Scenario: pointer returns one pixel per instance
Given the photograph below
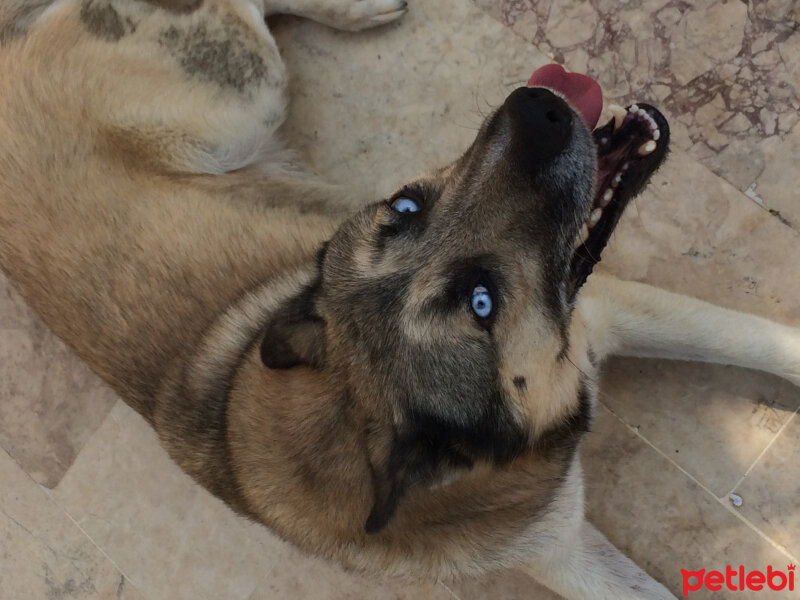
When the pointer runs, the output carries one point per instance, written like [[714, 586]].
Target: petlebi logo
[[739, 580]]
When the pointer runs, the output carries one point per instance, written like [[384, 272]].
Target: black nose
[[541, 122]]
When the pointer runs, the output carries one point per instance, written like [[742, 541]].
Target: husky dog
[[400, 386]]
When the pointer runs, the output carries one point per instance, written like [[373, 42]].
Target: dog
[[401, 385]]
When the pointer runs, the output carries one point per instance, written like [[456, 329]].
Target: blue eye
[[405, 205], [481, 301]]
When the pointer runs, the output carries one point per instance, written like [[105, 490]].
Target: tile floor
[[91, 507]]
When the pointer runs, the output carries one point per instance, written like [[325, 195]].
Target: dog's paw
[[355, 15]]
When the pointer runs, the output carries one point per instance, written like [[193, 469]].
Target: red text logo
[[738, 580]]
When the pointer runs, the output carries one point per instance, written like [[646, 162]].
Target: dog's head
[[445, 311]]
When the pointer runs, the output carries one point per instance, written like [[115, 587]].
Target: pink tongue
[[581, 91]]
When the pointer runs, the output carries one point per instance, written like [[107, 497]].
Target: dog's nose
[[540, 120]]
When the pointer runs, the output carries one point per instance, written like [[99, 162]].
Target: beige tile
[[391, 106], [43, 553], [506, 585], [177, 541], [771, 491], [169, 535], [714, 421], [51, 403], [290, 575], [659, 517], [725, 72], [696, 234]]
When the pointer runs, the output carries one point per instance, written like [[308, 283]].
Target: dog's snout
[[540, 120]]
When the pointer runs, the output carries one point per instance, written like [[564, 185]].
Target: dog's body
[[150, 216]]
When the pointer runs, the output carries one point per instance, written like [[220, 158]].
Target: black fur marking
[[319, 257], [201, 423], [565, 436], [223, 55], [294, 335], [101, 20], [591, 355], [520, 383], [182, 7], [563, 329], [431, 445]]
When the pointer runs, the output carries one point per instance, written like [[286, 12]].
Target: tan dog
[[400, 386]]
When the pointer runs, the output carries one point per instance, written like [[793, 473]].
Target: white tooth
[[584, 234], [595, 216], [607, 196], [656, 134], [647, 148], [634, 108], [619, 115], [626, 165], [617, 180]]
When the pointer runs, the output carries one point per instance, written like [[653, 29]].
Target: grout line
[[102, 551], [780, 548], [783, 550], [48, 493], [764, 451], [636, 432], [447, 587]]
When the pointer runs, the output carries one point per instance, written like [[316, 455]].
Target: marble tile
[[779, 180], [771, 491], [43, 553], [155, 522], [51, 402], [726, 73], [660, 518], [506, 585]]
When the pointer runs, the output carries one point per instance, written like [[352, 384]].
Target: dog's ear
[[295, 335], [419, 456]]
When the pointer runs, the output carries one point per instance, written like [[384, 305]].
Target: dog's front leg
[[635, 319], [589, 567]]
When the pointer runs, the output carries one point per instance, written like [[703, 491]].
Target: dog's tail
[[17, 16]]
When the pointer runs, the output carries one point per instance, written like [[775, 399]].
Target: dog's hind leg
[[350, 15], [181, 86], [635, 319]]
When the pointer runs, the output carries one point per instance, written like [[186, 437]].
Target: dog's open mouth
[[630, 147]]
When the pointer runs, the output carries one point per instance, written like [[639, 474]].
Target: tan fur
[[151, 216]]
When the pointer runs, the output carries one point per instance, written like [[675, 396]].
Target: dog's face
[[445, 311]]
